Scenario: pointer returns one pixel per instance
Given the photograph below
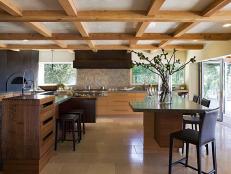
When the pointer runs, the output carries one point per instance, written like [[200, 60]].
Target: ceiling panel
[[148, 42], [38, 4], [75, 42], [113, 4], [193, 5], [227, 7], [16, 27], [186, 42], [61, 27], [29, 42], [161, 27], [111, 42], [111, 27], [210, 27]]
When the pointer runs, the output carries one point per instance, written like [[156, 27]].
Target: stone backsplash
[[109, 78]]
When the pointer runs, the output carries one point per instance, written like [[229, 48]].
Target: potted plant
[[164, 66]]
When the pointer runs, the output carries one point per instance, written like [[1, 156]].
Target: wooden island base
[[158, 126]]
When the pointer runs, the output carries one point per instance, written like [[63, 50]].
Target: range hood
[[102, 60]]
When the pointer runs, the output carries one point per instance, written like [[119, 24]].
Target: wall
[[179, 55], [17, 62], [58, 56], [109, 78], [212, 50]]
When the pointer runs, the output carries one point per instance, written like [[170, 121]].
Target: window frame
[[41, 76]]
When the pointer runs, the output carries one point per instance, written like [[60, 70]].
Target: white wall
[[212, 50], [179, 55], [59, 56]]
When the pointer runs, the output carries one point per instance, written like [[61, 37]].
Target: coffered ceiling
[[112, 24]]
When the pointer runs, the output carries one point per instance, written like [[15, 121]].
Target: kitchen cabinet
[[88, 104], [27, 133], [117, 103]]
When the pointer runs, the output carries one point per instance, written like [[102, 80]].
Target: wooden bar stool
[[67, 124], [205, 135], [79, 112]]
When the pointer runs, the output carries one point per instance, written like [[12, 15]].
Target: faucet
[[24, 84]]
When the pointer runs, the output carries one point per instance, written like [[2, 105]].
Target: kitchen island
[[159, 120]]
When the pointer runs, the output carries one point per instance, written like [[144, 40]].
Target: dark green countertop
[[151, 104], [62, 98]]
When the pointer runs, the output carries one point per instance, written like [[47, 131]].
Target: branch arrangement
[[162, 65]]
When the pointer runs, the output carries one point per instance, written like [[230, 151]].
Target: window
[[55, 73], [178, 78], [141, 76]]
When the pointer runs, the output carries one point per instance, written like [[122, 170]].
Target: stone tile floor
[[115, 146]]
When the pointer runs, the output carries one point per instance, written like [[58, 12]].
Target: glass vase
[[165, 89]]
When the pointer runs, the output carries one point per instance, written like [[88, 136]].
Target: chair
[[79, 112], [67, 123], [199, 138], [194, 120], [191, 119]]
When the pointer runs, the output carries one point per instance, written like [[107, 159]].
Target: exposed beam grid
[[70, 8], [156, 5], [211, 10], [11, 8]]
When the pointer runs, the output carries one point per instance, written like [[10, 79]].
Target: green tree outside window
[[59, 73]]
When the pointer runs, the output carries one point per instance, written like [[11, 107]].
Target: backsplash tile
[[109, 78]]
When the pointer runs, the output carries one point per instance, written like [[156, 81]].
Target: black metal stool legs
[[198, 159], [170, 156], [214, 157]]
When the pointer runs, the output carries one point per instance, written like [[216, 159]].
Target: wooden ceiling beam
[[2, 45], [155, 7], [10, 8], [70, 8], [101, 47], [60, 43], [164, 43], [117, 16], [211, 10], [40, 28], [215, 7], [116, 36]]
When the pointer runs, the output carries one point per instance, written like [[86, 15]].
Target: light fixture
[[52, 59], [195, 40], [227, 25], [25, 40]]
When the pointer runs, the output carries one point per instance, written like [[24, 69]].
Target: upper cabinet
[[102, 60]]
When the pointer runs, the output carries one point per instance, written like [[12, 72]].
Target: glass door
[[227, 97], [212, 83]]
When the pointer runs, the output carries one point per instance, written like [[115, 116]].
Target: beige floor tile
[[115, 146]]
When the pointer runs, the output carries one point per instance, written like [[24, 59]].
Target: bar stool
[[67, 124], [79, 112], [205, 135], [194, 120], [191, 119]]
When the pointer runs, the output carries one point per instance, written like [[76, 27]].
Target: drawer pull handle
[[45, 105], [47, 136], [47, 120]]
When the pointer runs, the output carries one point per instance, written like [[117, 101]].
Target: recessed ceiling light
[[226, 25], [25, 40]]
